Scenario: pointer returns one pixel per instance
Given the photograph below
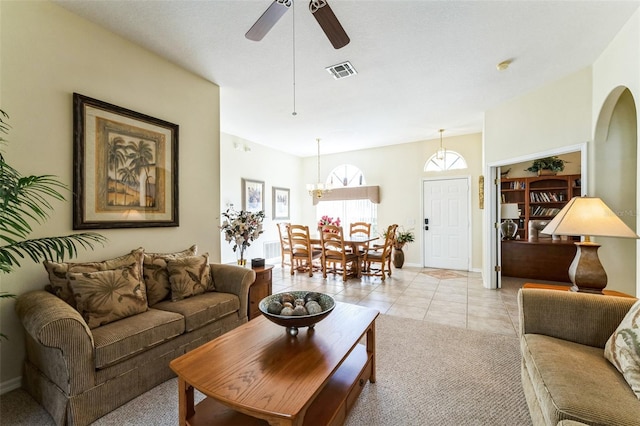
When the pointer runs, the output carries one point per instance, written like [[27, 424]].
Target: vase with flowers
[[327, 220], [241, 229]]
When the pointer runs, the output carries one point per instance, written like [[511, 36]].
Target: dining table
[[354, 241]]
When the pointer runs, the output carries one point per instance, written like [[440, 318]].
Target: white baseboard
[[10, 385]]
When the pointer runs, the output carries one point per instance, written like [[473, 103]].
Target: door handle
[[426, 228]]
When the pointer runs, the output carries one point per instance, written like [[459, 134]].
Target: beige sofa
[[565, 376], [79, 374]]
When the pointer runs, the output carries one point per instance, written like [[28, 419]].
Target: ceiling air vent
[[342, 70]]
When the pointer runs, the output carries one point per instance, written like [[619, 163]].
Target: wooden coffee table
[[258, 374]]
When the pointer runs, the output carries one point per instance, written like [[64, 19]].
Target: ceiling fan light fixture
[[341, 70]]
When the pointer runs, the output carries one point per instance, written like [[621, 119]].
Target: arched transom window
[[348, 210], [345, 175], [451, 161]]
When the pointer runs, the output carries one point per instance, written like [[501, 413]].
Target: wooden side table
[[568, 287], [261, 288]]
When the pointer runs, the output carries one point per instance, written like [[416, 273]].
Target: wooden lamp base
[[586, 272]]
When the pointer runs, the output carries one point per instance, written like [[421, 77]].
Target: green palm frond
[[47, 248], [24, 201]]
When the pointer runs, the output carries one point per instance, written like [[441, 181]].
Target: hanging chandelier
[[318, 189], [441, 152]]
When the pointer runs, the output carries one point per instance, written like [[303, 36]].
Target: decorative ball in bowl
[[294, 309]]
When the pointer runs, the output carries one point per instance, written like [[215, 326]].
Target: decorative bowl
[[293, 322]]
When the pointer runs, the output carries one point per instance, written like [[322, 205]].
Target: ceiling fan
[[319, 9]]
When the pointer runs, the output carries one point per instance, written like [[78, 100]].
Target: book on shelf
[[517, 184], [543, 211], [546, 197]]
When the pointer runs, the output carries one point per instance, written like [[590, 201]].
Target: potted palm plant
[[24, 200]]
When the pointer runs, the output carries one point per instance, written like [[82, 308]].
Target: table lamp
[[509, 228], [588, 216]]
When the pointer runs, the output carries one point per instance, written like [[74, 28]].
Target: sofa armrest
[[235, 280], [588, 319], [58, 341]]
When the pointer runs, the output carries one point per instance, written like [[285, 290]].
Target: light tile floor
[[456, 298]]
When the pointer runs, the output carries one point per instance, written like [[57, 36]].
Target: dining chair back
[[360, 229], [303, 253], [285, 247], [381, 255], [336, 258]]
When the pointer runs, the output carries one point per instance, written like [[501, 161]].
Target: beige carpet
[[428, 374]]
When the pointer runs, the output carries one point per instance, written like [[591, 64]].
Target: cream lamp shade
[[509, 211], [509, 228], [588, 216]]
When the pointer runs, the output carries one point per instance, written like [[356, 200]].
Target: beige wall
[[49, 53], [274, 168], [556, 115], [615, 117], [573, 110], [398, 170]]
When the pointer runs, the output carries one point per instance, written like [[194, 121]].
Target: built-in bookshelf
[[540, 197]]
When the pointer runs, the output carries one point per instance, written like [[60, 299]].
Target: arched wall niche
[[614, 163]]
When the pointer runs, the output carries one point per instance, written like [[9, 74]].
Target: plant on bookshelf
[[552, 165]]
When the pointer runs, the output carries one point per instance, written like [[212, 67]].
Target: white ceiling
[[422, 65]]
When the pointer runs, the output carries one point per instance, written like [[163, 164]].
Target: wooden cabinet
[[538, 198], [541, 260], [261, 288]]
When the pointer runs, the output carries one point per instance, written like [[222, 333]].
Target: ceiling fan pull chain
[[294, 113]]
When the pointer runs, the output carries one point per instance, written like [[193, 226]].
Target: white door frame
[[490, 230], [469, 221]]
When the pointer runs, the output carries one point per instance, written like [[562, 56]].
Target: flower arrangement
[[328, 220], [241, 228]]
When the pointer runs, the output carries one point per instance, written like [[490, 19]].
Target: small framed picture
[[280, 203], [252, 195]]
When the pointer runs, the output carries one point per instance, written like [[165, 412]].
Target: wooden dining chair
[[303, 253], [380, 255], [360, 228], [335, 257], [285, 247]]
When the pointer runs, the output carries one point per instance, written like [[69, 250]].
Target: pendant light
[[441, 152], [318, 189]]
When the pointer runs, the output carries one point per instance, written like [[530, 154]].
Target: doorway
[[446, 225], [493, 261]]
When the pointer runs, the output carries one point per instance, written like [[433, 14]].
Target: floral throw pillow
[[623, 348], [106, 296], [59, 283], [156, 276], [189, 276]]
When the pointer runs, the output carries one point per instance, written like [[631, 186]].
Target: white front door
[[446, 223]]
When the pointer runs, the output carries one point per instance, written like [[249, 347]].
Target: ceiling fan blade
[[329, 23], [268, 19]]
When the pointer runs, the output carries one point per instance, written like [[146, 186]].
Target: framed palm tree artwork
[[125, 167]]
